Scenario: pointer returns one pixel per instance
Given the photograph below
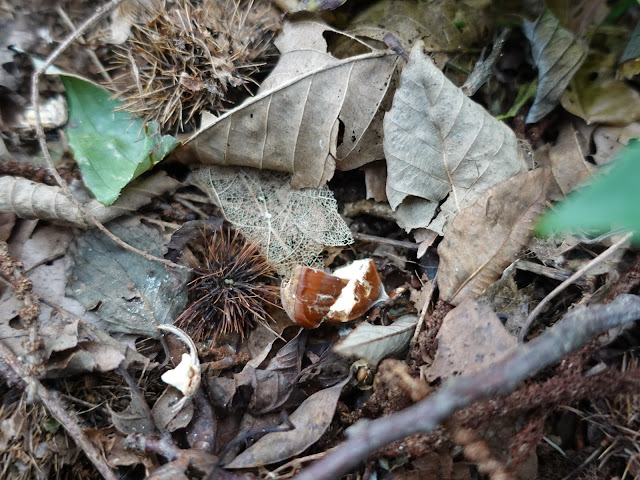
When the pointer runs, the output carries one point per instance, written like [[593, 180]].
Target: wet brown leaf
[[471, 338], [311, 419], [487, 237], [166, 417]]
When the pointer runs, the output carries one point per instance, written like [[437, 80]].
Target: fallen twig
[[66, 418], [498, 379], [35, 101], [596, 261]]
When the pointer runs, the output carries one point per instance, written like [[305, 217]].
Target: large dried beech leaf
[[487, 237], [440, 144], [471, 338], [292, 124], [311, 419], [558, 55], [375, 342]]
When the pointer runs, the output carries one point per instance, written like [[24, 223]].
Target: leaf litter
[[82, 312]]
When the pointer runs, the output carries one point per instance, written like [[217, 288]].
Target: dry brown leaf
[[292, 124], [311, 419], [609, 140], [168, 418], [29, 199], [471, 338], [375, 180], [567, 157], [438, 143], [375, 342], [486, 237], [261, 390]]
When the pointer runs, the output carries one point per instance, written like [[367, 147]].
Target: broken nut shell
[[312, 296]]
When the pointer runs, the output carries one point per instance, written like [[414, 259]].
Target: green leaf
[[609, 202], [110, 147]]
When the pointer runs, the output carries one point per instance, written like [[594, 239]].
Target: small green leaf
[[111, 148], [610, 202]]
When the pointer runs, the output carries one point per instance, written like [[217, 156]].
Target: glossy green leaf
[[610, 202], [111, 148]]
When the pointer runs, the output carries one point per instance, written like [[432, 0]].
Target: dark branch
[[569, 334]]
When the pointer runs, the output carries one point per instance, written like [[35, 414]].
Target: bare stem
[[500, 378], [596, 261], [35, 101], [66, 418]]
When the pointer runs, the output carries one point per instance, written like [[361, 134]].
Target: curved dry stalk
[[51, 400], [35, 101], [500, 378], [554, 293]]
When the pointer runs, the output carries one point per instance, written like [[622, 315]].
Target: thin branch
[[500, 378], [596, 261], [66, 418], [35, 101]]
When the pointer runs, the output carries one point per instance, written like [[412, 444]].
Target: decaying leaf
[[311, 419], [596, 96], [442, 26], [166, 416], [290, 226], [487, 236], [471, 338], [129, 293], [78, 347], [292, 125], [438, 144], [375, 342], [558, 55], [261, 390], [568, 158], [29, 199]]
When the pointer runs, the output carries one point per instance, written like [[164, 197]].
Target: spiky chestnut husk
[[193, 57], [228, 292]]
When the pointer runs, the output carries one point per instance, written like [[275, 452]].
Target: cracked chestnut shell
[[312, 296]]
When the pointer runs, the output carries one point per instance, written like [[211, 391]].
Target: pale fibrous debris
[[186, 376], [181, 376], [191, 56], [290, 226]]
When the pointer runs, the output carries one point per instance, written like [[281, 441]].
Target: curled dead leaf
[[292, 124], [487, 236], [311, 419]]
